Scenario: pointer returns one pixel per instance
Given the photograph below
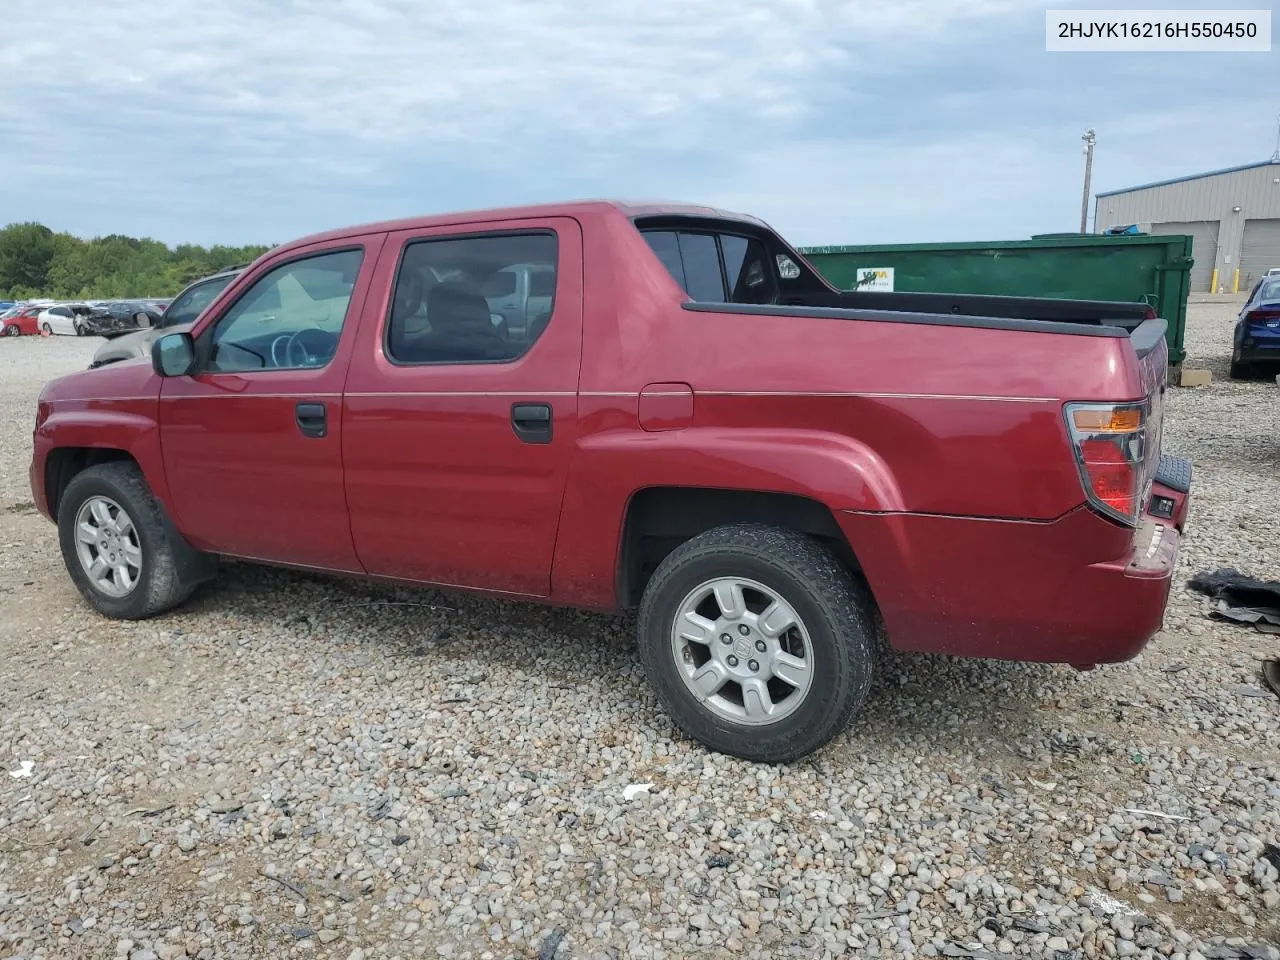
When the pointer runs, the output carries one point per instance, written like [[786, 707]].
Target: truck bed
[[1032, 315], [1121, 314]]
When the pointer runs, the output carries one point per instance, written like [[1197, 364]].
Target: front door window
[[291, 318]]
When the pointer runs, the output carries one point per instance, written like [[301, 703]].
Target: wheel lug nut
[[732, 660], [743, 629], [760, 646], [754, 665], [726, 639]]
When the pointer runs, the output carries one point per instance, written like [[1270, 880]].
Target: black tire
[[160, 585], [12, 331], [1241, 370], [836, 612]]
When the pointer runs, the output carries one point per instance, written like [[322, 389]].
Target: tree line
[[36, 262]]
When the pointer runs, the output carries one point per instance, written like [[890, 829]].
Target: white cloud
[[840, 121], [943, 187], [404, 72]]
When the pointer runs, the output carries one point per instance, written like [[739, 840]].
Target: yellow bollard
[[1213, 281], [1235, 281]]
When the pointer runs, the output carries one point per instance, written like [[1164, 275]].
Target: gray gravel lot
[[297, 766]]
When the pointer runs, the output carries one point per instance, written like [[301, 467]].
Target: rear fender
[[611, 467]]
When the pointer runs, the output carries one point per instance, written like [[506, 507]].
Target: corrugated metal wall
[[1202, 200], [1204, 247], [1261, 250]]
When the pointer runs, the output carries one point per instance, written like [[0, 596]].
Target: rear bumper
[[1270, 353], [1257, 344], [1013, 590]]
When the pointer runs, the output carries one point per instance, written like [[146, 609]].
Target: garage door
[[1260, 251], [1204, 250]]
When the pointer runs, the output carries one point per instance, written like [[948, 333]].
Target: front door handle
[[532, 422], [312, 419]]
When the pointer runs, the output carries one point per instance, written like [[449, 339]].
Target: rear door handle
[[532, 422], [312, 419]]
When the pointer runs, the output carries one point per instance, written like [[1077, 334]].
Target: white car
[[62, 318]]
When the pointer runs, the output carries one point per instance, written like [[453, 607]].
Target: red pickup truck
[[662, 408]]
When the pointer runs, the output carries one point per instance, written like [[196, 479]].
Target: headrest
[[453, 304]]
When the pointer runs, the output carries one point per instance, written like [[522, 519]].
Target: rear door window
[[451, 292], [542, 283]]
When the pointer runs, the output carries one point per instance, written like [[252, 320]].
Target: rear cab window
[[728, 262]]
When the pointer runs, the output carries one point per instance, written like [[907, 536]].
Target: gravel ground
[[296, 766]]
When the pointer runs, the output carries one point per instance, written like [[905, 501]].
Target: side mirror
[[173, 355]]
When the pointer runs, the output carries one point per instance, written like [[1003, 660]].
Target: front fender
[[609, 468], [126, 425]]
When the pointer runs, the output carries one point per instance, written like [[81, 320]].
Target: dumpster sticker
[[874, 278]]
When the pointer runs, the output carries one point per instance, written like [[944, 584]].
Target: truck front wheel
[[121, 552], [757, 641]]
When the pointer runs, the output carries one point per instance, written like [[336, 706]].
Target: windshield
[[193, 300], [1270, 290]]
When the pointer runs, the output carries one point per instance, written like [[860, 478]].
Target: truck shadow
[[915, 698], [922, 699]]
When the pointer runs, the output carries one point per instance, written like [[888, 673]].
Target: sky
[[875, 121]]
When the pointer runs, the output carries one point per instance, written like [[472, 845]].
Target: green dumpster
[[1154, 270]]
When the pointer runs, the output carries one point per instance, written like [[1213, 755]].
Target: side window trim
[[204, 342], [388, 318]]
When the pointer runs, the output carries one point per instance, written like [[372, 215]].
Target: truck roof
[[563, 209]]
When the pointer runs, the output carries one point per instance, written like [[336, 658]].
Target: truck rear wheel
[[757, 641], [117, 544]]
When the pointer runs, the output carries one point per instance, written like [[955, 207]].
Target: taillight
[[1262, 316], [1109, 441]]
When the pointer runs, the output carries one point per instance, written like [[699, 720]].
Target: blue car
[[1257, 335]]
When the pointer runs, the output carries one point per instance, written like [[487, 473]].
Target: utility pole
[[1089, 140]]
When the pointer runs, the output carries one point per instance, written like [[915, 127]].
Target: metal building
[[1233, 216]]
